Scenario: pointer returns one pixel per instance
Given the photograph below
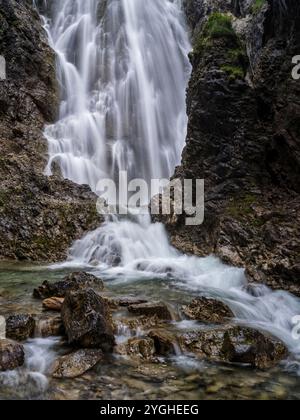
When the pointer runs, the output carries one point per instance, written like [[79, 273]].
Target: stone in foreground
[[74, 281], [235, 345], [208, 311], [76, 364], [160, 310], [87, 320], [12, 355], [20, 327]]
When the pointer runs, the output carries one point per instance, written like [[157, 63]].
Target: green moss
[[234, 72], [257, 6], [219, 25]]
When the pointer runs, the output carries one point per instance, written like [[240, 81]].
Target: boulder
[[74, 281], [235, 345], [76, 364], [12, 355], [158, 309], [208, 311], [53, 304], [164, 342], [20, 327], [87, 320]]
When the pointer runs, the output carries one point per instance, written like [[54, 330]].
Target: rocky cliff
[[244, 137], [39, 216]]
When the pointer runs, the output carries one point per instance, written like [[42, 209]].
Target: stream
[[123, 69]]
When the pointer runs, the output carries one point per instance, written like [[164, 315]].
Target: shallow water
[[180, 377]]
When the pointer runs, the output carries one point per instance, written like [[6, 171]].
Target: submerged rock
[[235, 345], [76, 364], [11, 355], [53, 304], [73, 281], [87, 320], [208, 310], [158, 309], [20, 327]]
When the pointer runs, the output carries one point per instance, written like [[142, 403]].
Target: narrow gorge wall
[[39, 216], [244, 136]]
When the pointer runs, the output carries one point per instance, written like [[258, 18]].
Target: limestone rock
[[20, 327], [235, 345], [73, 281], [208, 311], [11, 355], [87, 320], [76, 364]]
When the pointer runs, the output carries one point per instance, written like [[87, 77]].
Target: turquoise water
[[181, 377]]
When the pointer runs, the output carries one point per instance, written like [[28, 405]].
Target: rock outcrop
[[244, 137], [39, 216]]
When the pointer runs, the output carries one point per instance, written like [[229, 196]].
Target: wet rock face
[[39, 216], [76, 364], [235, 345], [87, 320], [11, 355], [159, 310], [73, 281], [243, 137], [20, 327], [208, 311]]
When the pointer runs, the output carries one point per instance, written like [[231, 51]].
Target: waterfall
[[123, 69]]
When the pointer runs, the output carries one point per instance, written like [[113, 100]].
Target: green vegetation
[[257, 6], [219, 25], [234, 72]]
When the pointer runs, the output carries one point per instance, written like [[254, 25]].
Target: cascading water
[[123, 68]]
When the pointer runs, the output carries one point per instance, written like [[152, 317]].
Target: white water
[[31, 380], [123, 71]]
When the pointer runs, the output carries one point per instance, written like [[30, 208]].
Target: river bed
[[178, 377]]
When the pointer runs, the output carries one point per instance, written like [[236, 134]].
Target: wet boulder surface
[[234, 344], [20, 327], [87, 320], [76, 364], [73, 281]]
